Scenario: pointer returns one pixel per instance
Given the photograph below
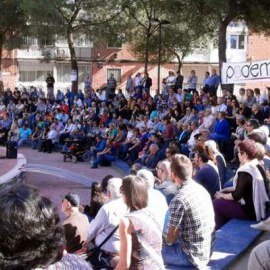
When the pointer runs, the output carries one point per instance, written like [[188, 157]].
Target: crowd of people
[[178, 144]]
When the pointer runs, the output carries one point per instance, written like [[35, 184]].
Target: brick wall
[[9, 69], [258, 49]]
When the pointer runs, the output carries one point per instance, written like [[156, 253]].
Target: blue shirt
[[208, 178], [222, 128], [206, 81], [213, 80], [25, 133], [100, 146]]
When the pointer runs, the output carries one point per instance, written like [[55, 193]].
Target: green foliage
[[13, 25]]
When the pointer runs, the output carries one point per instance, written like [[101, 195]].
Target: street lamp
[[159, 23]]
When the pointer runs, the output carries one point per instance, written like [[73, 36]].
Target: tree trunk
[[180, 63], [222, 44], [1, 82], [74, 63], [146, 55]]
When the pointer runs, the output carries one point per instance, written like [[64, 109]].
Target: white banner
[[258, 71]]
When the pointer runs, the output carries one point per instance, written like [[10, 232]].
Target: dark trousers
[[47, 146], [226, 210]]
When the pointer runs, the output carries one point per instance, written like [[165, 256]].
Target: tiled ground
[[55, 188], [6, 164], [56, 160]]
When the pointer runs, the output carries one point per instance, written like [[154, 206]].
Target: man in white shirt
[[138, 81], [108, 217], [221, 107], [208, 120]]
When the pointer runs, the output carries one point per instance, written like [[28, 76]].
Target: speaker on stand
[[11, 150]]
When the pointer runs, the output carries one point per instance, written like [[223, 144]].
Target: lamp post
[[159, 23]]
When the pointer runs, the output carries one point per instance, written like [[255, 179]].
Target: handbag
[[97, 257]]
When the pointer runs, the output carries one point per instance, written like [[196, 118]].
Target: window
[[64, 72], [116, 73], [241, 43], [233, 42], [237, 42], [31, 41], [34, 75]]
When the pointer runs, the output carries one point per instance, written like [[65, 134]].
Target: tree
[[72, 19], [141, 12], [12, 27], [221, 13]]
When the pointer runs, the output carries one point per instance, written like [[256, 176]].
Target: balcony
[[53, 53]]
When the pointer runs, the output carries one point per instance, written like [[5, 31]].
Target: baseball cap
[[73, 198]]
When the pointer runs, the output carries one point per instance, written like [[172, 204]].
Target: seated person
[[156, 201], [24, 135], [76, 224], [98, 199], [189, 236], [107, 155], [49, 140], [43, 233], [107, 219], [222, 128], [259, 258], [165, 184], [184, 134], [243, 200], [99, 146], [207, 176], [151, 158]]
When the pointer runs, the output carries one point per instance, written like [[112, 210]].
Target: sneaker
[[261, 226], [94, 167]]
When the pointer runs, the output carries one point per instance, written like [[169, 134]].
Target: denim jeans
[[105, 157], [22, 141], [172, 255]]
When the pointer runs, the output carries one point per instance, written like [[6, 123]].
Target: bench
[[231, 241], [122, 165]]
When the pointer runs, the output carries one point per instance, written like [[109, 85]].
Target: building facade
[[29, 67]]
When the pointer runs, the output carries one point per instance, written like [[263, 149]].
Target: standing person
[[146, 83], [170, 81], [50, 83], [189, 236], [76, 225], [129, 85], [192, 80], [138, 81], [140, 234], [87, 83], [111, 86], [179, 81], [213, 82]]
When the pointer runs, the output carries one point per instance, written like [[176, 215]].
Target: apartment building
[[29, 66]]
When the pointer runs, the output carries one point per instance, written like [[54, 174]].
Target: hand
[[219, 195], [81, 208]]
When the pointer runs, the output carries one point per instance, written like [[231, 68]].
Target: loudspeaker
[[11, 150]]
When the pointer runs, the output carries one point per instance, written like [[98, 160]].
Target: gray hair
[[147, 176], [113, 187]]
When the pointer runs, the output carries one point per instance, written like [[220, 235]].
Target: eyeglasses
[[249, 126], [168, 152]]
